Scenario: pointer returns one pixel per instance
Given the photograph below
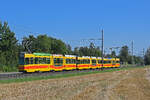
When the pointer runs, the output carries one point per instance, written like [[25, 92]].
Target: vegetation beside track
[[26, 79]]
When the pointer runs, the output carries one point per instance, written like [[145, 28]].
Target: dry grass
[[120, 85]]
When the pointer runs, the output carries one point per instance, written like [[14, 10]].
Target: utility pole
[[111, 50], [132, 52], [102, 48], [143, 57]]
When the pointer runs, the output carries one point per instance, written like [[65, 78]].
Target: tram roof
[[42, 54]]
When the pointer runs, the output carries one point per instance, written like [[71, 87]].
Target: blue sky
[[74, 20]]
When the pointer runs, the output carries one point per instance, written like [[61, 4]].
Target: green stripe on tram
[[42, 54]]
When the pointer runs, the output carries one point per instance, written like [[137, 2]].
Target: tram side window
[[93, 62], [86, 61], [105, 62], [109, 62], [70, 61], [79, 61], [114, 62], [27, 61], [31, 60], [82, 62], [36, 60], [67, 61], [42, 60], [74, 61], [117, 61], [58, 61], [47, 60], [99, 61]]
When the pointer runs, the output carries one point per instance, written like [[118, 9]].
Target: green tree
[[88, 51], [44, 43], [8, 46], [138, 60], [124, 54], [69, 50], [76, 51], [94, 51], [113, 54], [59, 47], [29, 44]]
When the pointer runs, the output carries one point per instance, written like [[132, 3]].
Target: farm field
[[133, 84]]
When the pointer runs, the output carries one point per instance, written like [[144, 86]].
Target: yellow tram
[[84, 62], [70, 62], [40, 62], [35, 62]]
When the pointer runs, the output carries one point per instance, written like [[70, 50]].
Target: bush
[[5, 68]]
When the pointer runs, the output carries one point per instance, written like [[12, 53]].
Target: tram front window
[[21, 61], [58, 61]]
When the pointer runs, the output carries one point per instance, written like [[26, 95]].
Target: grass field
[[63, 75], [116, 84]]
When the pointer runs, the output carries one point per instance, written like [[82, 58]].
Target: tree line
[[10, 49]]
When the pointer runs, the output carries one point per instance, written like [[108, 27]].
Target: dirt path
[[121, 85]]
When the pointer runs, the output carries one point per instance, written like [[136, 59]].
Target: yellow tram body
[[40, 62], [99, 62], [57, 62], [84, 62], [35, 62], [117, 62], [94, 63], [107, 63], [70, 62]]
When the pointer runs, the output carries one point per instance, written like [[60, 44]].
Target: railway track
[[17, 75]]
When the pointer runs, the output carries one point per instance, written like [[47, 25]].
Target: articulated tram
[[41, 62]]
